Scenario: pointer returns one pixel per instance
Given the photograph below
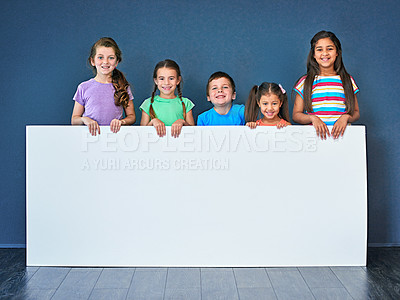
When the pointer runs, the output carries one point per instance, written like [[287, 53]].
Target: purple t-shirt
[[98, 100]]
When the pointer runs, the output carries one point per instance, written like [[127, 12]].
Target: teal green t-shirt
[[167, 110]]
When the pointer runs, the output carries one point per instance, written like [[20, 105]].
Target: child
[[271, 100], [167, 109], [221, 92], [326, 95], [103, 99]]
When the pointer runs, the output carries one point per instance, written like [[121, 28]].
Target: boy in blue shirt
[[221, 92]]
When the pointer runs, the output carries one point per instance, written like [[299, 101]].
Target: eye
[[213, 88]]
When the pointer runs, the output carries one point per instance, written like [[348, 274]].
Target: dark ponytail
[[252, 109]]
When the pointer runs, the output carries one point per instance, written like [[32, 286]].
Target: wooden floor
[[379, 280]]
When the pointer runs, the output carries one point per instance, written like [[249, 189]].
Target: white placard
[[214, 197]]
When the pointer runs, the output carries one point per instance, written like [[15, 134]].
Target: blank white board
[[214, 197]]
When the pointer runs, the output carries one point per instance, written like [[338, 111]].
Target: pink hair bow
[[282, 89]]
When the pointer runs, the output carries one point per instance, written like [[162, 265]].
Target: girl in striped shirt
[[326, 95]]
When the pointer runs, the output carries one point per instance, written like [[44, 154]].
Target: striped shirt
[[327, 96]]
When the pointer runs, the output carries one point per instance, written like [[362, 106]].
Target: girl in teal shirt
[[167, 109]]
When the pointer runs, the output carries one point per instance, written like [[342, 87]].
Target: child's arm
[[189, 119], [300, 117], [176, 127], [130, 118], [77, 119], [340, 125], [158, 125]]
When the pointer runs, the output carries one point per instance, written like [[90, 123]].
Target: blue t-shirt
[[235, 116]]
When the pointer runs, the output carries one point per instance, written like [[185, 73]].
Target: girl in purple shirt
[[103, 99]]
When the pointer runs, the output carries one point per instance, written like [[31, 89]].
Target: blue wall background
[[46, 43]]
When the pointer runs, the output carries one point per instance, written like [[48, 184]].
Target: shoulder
[[237, 114], [187, 100], [145, 104], [352, 78], [301, 80], [147, 100], [299, 85], [83, 91], [129, 90], [204, 118], [188, 103], [355, 87], [206, 113], [237, 108], [87, 83], [237, 111]]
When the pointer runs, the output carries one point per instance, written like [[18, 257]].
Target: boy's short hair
[[218, 75]]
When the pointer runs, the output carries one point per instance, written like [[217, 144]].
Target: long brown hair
[[169, 64], [313, 71], [121, 96], [252, 108]]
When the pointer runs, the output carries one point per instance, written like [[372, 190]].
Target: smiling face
[[166, 81], [220, 92], [270, 105], [325, 54], [105, 61]]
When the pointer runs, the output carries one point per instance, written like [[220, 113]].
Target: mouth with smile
[[270, 113], [325, 59]]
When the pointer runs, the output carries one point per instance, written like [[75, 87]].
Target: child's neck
[[103, 79], [223, 110], [327, 72], [168, 96]]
